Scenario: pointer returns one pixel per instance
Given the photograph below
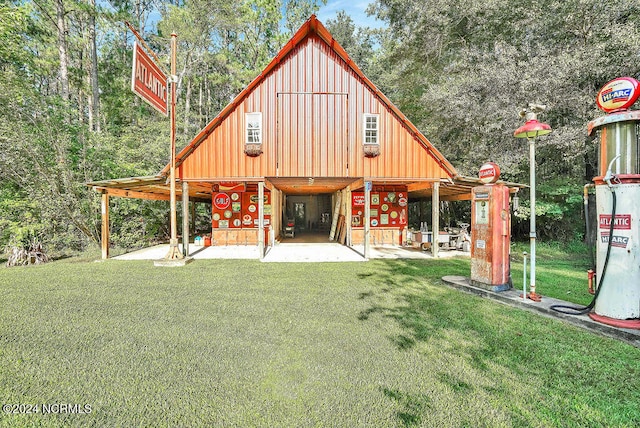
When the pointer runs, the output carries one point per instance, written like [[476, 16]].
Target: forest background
[[460, 71]]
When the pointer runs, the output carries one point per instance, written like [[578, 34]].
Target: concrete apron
[[291, 252]]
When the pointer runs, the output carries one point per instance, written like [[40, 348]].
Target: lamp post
[[530, 130]]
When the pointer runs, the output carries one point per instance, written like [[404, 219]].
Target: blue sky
[[354, 8]]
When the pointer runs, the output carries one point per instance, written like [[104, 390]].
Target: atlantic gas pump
[[490, 232], [618, 206], [617, 296]]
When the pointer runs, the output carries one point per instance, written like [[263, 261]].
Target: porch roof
[[158, 187]]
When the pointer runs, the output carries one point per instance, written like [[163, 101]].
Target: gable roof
[[310, 28]]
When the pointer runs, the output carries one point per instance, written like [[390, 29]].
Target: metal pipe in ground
[[524, 274]]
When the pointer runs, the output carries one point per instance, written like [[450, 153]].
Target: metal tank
[[618, 202]]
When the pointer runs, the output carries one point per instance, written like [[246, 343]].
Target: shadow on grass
[[437, 322], [413, 406]]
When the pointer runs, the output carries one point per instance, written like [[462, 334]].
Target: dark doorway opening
[[312, 217]]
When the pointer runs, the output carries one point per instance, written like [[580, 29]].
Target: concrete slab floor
[[288, 251], [513, 298]]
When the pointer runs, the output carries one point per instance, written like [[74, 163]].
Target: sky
[[354, 8]]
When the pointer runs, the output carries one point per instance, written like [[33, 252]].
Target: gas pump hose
[[580, 310]]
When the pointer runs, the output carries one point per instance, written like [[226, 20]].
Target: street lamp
[[530, 130]]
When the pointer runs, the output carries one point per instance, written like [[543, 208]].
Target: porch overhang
[[157, 187]]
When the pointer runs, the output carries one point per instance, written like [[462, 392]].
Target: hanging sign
[[489, 173], [232, 187], [617, 95], [148, 81]]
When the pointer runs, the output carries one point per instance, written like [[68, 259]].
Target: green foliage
[[20, 223], [459, 74], [559, 212]]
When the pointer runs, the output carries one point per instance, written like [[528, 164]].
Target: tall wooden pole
[[435, 219], [174, 252], [105, 225]]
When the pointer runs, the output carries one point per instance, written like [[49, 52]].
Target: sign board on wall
[[148, 81]]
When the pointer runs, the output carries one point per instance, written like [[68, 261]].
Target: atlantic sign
[[489, 173], [148, 81], [617, 95]]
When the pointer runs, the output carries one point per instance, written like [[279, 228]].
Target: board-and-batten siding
[[312, 109]]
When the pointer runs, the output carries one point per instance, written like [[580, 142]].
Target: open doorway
[[311, 215]]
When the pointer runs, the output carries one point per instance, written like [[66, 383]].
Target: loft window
[[254, 128], [371, 129], [253, 140]]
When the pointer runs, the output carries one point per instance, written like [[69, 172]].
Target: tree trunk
[[94, 104], [62, 50], [187, 107], [200, 105]]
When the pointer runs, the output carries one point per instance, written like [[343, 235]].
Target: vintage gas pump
[[617, 299], [490, 232]]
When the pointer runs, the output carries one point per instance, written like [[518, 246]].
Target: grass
[[559, 273], [244, 343]]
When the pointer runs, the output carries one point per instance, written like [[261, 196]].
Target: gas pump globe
[[617, 300]]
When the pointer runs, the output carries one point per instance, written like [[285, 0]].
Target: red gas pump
[[490, 232]]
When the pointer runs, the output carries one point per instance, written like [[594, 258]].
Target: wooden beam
[[459, 197], [421, 185], [268, 185], [104, 208], [358, 184], [132, 194]]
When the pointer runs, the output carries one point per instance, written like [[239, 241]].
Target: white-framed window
[[371, 133], [253, 128]]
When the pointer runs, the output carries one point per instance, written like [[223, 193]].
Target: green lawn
[[559, 273], [244, 343]]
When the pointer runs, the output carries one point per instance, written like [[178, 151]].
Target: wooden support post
[[261, 219], [104, 206], [435, 223], [348, 214], [185, 218], [174, 252], [193, 218], [367, 218]]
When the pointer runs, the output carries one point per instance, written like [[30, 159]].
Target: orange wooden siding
[[312, 107]]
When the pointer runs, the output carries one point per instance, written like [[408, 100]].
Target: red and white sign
[[617, 95], [358, 199], [489, 173], [148, 81], [221, 201], [232, 187], [621, 222]]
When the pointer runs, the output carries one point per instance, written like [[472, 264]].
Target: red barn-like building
[[309, 133]]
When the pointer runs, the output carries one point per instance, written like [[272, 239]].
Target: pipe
[[524, 276], [577, 310], [590, 243]]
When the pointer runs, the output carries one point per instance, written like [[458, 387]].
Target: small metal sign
[[148, 81]]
